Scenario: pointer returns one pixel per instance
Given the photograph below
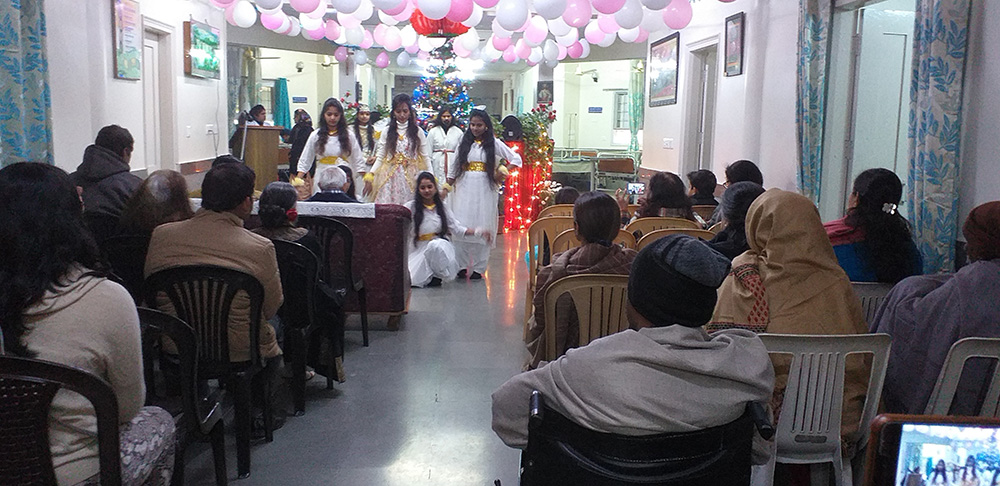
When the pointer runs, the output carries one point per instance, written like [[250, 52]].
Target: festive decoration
[[442, 88], [435, 28], [525, 184]]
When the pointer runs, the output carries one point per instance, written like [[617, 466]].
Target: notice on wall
[[127, 39], [595, 109], [299, 99]]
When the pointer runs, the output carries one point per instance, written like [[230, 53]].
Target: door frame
[[168, 66], [688, 150]]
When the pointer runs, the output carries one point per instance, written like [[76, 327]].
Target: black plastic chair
[[328, 230], [201, 417], [127, 256], [27, 387], [299, 268], [560, 452], [202, 296]]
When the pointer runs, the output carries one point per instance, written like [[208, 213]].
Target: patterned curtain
[[636, 103], [25, 126], [815, 17], [282, 110], [939, 51]]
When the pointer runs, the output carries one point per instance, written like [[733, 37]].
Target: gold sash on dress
[[477, 167], [427, 236], [331, 159]]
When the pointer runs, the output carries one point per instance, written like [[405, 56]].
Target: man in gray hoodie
[[105, 179]]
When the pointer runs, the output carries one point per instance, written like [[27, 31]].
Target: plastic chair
[[655, 235], [127, 256], [951, 372], [27, 387], [329, 230], [201, 417], [717, 227], [600, 307], [871, 294], [808, 430], [706, 211], [561, 452], [567, 239], [201, 296], [645, 225], [556, 210], [540, 229]]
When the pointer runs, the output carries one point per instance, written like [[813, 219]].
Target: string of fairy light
[[535, 148]]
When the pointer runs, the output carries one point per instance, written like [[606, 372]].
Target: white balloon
[[342, 38], [559, 27], [586, 48], [386, 18], [499, 31], [434, 9], [425, 44], [629, 35], [536, 55], [655, 4], [552, 63], [511, 14], [408, 35], [475, 18], [347, 20], [268, 4], [385, 4], [392, 41], [244, 15], [403, 59], [319, 12], [652, 21], [568, 39], [470, 39], [364, 11], [296, 27], [309, 23], [360, 57], [346, 6], [270, 11], [607, 41], [550, 9], [354, 35], [630, 15], [551, 50]]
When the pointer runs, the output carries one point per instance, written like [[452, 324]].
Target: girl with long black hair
[[432, 256], [402, 153], [331, 144], [364, 132], [873, 242]]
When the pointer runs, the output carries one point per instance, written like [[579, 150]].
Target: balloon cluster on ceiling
[[535, 31]]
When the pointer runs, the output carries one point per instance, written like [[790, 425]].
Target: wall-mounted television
[[201, 50]]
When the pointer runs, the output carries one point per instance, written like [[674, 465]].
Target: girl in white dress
[[432, 256], [367, 136], [476, 176], [402, 153], [331, 144]]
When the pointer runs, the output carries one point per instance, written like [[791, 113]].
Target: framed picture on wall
[[126, 36], [663, 57], [735, 28], [202, 50], [544, 95]]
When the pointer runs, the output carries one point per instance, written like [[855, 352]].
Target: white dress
[[475, 202], [432, 256], [331, 156], [395, 176], [443, 147]]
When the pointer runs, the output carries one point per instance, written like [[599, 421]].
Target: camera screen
[[636, 188], [948, 454]]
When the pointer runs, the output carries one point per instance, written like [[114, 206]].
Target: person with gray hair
[[732, 240], [333, 184]]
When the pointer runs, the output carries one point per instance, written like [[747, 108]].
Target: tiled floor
[[415, 409]]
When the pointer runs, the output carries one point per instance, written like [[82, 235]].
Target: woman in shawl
[[732, 240], [926, 314], [401, 154], [789, 282]]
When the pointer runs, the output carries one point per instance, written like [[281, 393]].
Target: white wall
[[306, 83], [756, 111], [595, 130], [86, 96]]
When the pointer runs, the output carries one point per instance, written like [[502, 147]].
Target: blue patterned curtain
[[636, 103], [815, 17], [282, 110], [939, 50], [25, 127]]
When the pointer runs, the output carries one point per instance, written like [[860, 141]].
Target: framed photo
[[202, 50], [663, 57], [545, 93], [735, 28], [126, 37]]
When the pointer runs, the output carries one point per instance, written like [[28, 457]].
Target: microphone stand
[[246, 122]]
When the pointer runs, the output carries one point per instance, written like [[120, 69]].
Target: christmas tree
[[439, 89]]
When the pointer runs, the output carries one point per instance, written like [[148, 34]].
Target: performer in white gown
[[402, 153], [326, 145], [444, 138], [367, 136], [475, 177], [432, 256]]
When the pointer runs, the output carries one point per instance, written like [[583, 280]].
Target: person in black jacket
[[105, 181], [300, 133], [333, 184]]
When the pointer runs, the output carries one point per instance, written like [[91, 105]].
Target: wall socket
[[187, 131], [668, 143], [210, 129]]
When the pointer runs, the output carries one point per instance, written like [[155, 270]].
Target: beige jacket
[[218, 238], [90, 323]]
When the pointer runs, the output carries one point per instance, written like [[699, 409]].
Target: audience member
[[702, 192], [873, 242], [226, 159], [926, 314], [56, 304], [732, 240], [666, 197], [333, 186], [351, 188], [162, 198], [297, 137], [566, 195], [215, 236], [666, 374], [739, 171], [595, 221], [789, 282], [105, 178]]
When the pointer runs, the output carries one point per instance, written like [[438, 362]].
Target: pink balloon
[[501, 43], [413, 49], [522, 49], [405, 14], [288, 29], [460, 50], [562, 52], [332, 30], [272, 22], [348, 20], [340, 54], [392, 39], [577, 13], [368, 41], [509, 55], [607, 23], [305, 6], [593, 33], [423, 55], [487, 3], [532, 64], [608, 6], [382, 60], [575, 50], [643, 35], [677, 15], [460, 10], [537, 30], [316, 34], [222, 3], [379, 34], [392, 12]]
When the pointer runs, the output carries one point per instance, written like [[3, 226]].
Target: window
[[621, 111]]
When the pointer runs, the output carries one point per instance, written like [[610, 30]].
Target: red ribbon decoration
[[435, 28]]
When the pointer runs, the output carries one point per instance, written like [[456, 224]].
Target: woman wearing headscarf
[[789, 282], [926, 314], [732, 240]]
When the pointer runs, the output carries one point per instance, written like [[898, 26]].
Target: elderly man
[[679, 378], [333, 185]]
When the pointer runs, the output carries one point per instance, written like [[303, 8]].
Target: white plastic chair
[[871, 294], [808, 429], [947, 382]]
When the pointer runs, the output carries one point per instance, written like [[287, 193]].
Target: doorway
[[157, 146], [700, 131]]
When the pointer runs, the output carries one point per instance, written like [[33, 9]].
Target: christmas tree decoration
[[442, 87], [525, 185]]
